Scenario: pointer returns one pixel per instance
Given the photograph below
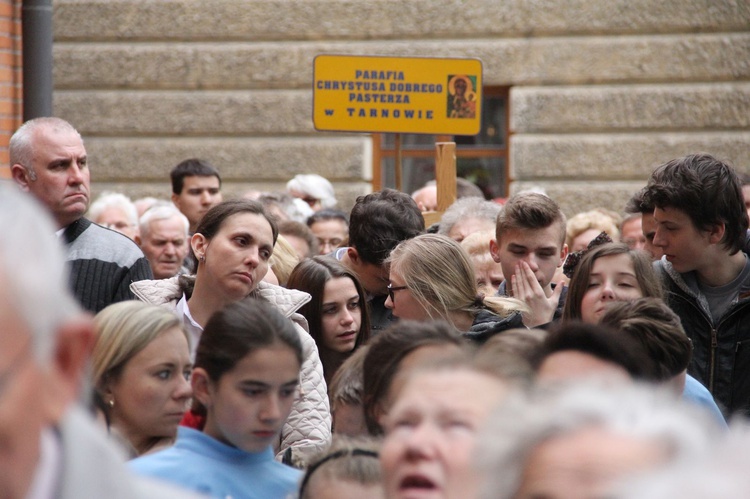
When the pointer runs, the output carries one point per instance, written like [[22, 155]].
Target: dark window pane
[[488, 173], [408, 141], [493, 125]]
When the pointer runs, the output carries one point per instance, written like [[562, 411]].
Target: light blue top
[[203, 464], [696, 393]]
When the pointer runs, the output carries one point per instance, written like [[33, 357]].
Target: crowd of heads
[[508, 352]]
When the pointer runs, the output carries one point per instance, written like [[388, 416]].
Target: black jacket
[[721, 351], [487, 324]]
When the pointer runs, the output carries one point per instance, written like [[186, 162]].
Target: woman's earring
[[111, 403], [203, 258]]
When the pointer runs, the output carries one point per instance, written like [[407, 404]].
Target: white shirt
[[193, 329]]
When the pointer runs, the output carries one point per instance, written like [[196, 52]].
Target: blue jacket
[[201, 463]]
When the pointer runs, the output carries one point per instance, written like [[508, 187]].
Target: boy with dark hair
[[637, 205], [530, 245], [651, 322], [377, 223], [578, 351], [701, 224], [196, 188]]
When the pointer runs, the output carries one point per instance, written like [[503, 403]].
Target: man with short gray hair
[[164, 240], [48, 160]]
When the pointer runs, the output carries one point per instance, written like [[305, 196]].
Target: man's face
[[116, 219], [746, 196], [23, 392], [62, 174], [677, 237], [541, 249], [632, 233], [165, 246], [199, 194], [648, 227], [374, 278]]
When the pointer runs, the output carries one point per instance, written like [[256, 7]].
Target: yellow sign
[[397, 94]]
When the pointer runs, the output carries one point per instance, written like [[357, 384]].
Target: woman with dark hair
[[232, 246], [245, 381], [337, 313], [607, 273]]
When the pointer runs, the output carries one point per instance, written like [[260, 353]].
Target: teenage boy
[[530, 245], [377, 223], [700, 227]]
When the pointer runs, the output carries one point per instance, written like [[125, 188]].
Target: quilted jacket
[[307, 431]]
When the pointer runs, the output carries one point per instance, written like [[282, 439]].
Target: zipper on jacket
[[712, 362]]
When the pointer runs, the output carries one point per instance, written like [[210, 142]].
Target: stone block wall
[[602, 91]]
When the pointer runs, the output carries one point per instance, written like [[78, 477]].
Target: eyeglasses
[[391, 289]]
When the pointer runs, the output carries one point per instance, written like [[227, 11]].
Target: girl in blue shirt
[[245, 380]]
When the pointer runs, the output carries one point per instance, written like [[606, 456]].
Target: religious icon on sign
[[462, 98]]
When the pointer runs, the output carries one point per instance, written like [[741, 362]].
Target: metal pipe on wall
[[36, 23]]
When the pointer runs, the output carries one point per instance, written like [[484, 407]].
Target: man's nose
[[659, 239], [75, 175]]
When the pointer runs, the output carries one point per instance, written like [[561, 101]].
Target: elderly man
[[164, 240], [48, 160], [49, 448]]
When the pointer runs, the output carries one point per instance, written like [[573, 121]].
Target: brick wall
[[10, 76]]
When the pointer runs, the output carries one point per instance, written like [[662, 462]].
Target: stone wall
[[601, 90]]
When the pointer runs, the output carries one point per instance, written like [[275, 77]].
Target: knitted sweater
[[103, 264]]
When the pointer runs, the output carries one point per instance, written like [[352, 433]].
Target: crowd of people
[[275, 346]]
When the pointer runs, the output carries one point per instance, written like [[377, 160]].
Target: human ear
[[563, 254], [716, 233], [21, 176], [495, 250], [199, 244], [201, 386], [353, 255]]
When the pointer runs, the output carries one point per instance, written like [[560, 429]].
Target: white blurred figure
[[581, 440], [314, 190], [115, 211]]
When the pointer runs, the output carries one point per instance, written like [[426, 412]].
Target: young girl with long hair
[[337, 313], [245, 380]]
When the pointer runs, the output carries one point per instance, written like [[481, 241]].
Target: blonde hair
[[440, 275], [124, 329], [594, 219], [478, 243], [283, 260]]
